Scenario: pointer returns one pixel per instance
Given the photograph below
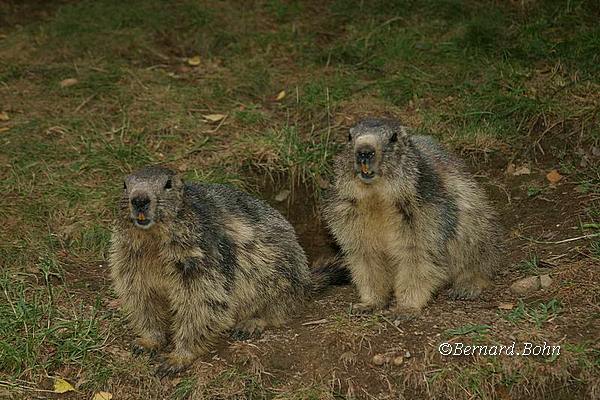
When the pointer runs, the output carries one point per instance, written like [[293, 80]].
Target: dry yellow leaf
[[522, 170], [214, 117], [4, 129], [553, 176], [280, 95], [68, 82], [102, 396], [62, 386], [194, 61], [4, 116], [506, 306]]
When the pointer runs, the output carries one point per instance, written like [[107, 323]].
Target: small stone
[[407, 354], [378, 359], [398, 360], [545, 281], [526, 285]]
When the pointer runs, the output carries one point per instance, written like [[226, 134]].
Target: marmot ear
[[399, 133]]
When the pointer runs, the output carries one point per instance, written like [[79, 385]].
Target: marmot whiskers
[[409, 219]]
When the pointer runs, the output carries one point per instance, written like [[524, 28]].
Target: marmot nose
[[365, 154], [140, 202]]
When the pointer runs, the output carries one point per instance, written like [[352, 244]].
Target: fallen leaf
[[4, 116], [194, 61], [214, 117], [506, 306], [522, 170], [281, 196], [317, 322], [553, 176], [280, 95], [102, 396], [62, 386], [4, 129], [68, 82]]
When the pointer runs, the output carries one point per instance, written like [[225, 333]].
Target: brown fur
[[193, 261], [212, 259], [409, 219]]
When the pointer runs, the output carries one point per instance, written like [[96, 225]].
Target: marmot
[[190, 261], [409, 219]]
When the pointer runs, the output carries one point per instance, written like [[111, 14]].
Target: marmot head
[[372, 142], [151, 195]]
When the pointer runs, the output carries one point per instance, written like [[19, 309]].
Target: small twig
[[79, 107], [317, 322], [389, 21], [22, 387], [554, 258], [157, 53], [386, 319], [191, 151], [561, 241], [218, 126]]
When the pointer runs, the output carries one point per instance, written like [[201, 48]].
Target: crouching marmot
[[190, 261], [409, 219]]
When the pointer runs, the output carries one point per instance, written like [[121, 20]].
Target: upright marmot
[[409, 219], [192, 261]]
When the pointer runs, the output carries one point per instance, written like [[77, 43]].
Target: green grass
[[537, 313], [530, 266], [486, 77], [476, 330], [184, 389], [37, 333]]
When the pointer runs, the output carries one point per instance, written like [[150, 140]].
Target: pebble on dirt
[[379, 359], [530, 284]]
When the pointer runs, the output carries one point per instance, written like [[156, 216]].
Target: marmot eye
[[169, 184], [124, 185], [349, 137], [394, 138]]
